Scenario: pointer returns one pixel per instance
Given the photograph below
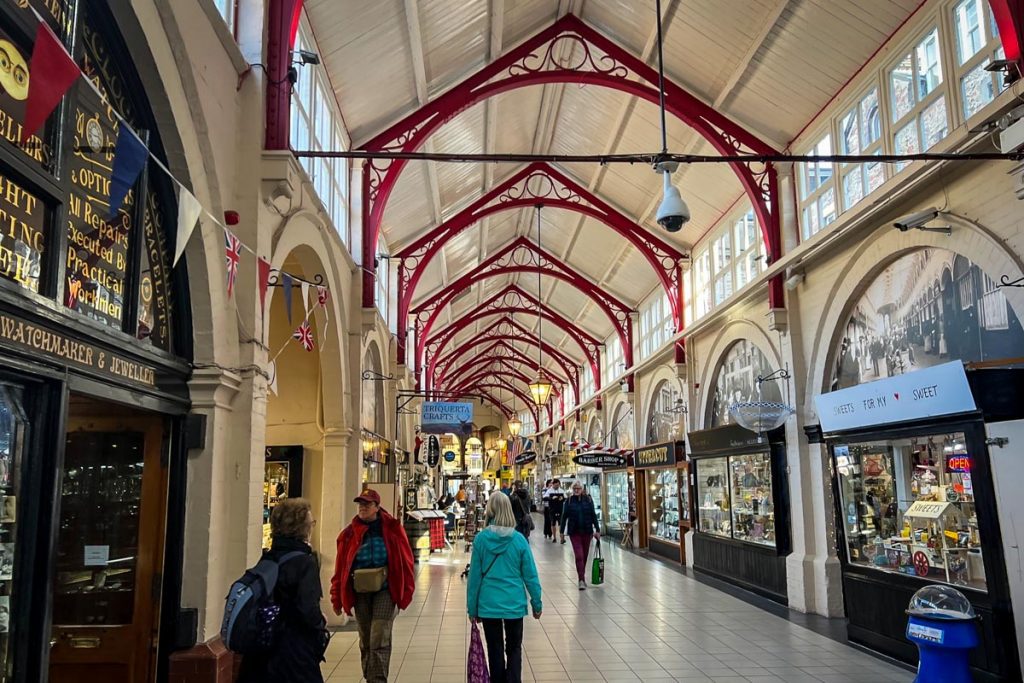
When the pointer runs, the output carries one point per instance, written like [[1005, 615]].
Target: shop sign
[[449, 456], [926, 509], [958, 462], [526, 457], [433, 451], [934, 391], [934, 635], [37, 340], [600, 459], [442, 417], [655, 456], [727, 437]]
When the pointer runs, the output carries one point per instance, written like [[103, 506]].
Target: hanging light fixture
[[673, 213], [762, 416], [540, 388], [515, 424]]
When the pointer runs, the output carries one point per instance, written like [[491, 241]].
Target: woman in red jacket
[[373, 573]]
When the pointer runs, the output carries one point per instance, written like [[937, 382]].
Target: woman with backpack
[[521, 509], [502, 565], [580, 517], [300, 639]]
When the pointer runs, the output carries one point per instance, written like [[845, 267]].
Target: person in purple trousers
[[580, 518]]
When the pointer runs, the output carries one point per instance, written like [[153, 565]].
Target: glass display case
[[618, 499], [713, 497], [665, 503], [908, 507], [13, 422], [734, 496], [753, 514]]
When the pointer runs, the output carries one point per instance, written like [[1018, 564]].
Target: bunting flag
[[286, 285], [322, 294], [53, 72], [263, 275], [189, 210], [130, 155], [304, 334], [232, 257], [304, 286]]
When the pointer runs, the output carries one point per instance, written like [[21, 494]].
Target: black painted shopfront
[[916, 504], [741, 501], [94, 346]]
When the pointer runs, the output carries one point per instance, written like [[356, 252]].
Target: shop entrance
[[107, 579]]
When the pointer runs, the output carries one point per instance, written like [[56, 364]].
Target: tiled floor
[[647, 622]]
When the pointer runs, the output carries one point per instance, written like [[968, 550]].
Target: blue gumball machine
[[944, 626]]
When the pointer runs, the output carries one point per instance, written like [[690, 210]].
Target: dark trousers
[[504, 650], [548, 528], [375, 615], [581, 548]]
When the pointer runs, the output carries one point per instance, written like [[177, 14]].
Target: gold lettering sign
[[656, 455], [57, 13], [40, 340], [14, 83], [23, 221]]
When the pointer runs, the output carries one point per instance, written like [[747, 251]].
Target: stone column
[[787, 206]]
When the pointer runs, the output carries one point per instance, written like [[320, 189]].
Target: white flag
[[305, 298], [188, 213]]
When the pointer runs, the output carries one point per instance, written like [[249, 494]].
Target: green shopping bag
[[597, 569]]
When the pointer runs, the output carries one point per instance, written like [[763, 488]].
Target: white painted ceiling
[[769, 65]]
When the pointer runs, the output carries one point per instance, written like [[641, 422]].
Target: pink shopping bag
[[476, 664]]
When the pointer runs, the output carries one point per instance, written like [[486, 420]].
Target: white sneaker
[[583, 585]]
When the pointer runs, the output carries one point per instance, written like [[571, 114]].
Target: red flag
[[322, 294], [53, 72], [263, 271]]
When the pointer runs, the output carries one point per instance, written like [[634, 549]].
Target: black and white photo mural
[[736, 381], [928, 307]]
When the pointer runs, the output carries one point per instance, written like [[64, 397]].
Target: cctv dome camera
[[673, 213]]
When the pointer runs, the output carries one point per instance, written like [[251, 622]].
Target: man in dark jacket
[[521, 509], [555, 496], [580, 517], [301, 639]]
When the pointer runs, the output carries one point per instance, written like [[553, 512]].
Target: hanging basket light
[[540, 388], [760, 416]]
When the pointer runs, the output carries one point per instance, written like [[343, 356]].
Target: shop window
[[13, 432], [908, 506], [619, 505], [817, 191], [735, 498], [861, 134], [666, 501], [917, 101]]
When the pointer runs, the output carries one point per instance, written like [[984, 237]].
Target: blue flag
[[286, 284], [129, 157]]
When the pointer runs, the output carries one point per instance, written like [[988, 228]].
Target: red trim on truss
[[1009, 16], [523, 256], [499, 381], [536, 62], [539, 183], [501, 349], [282, 25]]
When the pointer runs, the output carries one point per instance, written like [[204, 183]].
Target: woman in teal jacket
[[502, 565]]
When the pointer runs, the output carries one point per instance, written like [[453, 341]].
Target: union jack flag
[[232, 257], [304, 334]]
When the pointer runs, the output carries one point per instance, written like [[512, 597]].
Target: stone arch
[[373, 417], [657, 380], [617, 411], [728, 335], [974, 241]]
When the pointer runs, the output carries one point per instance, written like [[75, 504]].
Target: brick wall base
[[208, 662]]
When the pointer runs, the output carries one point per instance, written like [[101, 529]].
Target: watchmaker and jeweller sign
[[38, 340]]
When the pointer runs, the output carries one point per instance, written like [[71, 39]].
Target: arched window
[[736, 381]]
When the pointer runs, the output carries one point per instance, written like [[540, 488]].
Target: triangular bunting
[[322, 294], [130, 155], [305, 296], [304, 335], [188, 214], [286, 286], [232, 257], [263, 274], [53, 72]]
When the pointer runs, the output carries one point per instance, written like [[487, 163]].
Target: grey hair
[[577, 482], [499, 510]]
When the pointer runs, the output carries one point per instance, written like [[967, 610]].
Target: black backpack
[[250, 613]]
